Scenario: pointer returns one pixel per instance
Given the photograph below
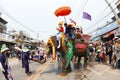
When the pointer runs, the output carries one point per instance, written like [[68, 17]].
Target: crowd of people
[[24, 56], [106, 53]]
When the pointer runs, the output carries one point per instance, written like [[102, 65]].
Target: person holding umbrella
[[4, 63]]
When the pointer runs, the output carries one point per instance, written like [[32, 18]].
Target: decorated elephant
[[66, 53], [80, 49], [77, 47]]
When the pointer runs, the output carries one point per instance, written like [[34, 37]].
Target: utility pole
[[117, 2], [115, 14]]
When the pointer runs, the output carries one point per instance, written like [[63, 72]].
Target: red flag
[[72, 21]]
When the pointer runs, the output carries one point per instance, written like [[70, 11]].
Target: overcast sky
[[37, 16]]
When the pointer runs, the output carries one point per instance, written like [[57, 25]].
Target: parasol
[[62, 11]]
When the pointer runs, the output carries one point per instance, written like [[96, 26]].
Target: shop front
[[108, 36]]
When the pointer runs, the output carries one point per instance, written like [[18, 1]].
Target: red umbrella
[[62, 11]]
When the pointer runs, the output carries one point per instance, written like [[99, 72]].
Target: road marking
[[39, 71], [98, 73], [114, 73], [93, 71], [104, 71], [38, 75]]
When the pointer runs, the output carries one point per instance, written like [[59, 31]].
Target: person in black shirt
[[109, 52]]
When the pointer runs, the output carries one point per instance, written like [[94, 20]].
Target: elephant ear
[[54, 40]]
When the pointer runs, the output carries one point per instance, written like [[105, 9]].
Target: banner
[[86, 16]]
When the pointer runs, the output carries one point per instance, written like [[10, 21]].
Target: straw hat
[[4, 48], [60, 23]]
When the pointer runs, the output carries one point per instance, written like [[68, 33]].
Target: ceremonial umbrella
[[62, 11]]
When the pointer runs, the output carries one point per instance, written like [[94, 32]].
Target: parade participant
[[4, 63], [26, 60], [73, 30], [79, 30], [68, 29], [60, 31], [23, 66]]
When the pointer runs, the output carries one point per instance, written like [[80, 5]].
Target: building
[[22, 38], [12, 34], [3, 34], [106, 33], [3, 29]]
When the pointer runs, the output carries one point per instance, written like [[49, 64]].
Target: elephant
[[69, 49], [65, 54], [81, 49]]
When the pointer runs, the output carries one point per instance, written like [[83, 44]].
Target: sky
[[36, 17]]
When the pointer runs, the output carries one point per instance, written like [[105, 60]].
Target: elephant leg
[[85, 61], [64, 62], [69, 68], [78, 63]]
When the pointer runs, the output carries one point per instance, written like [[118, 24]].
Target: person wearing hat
[[60, 31], [26, 59], [4, 63]]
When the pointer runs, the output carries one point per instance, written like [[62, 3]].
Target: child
[[102, 56]]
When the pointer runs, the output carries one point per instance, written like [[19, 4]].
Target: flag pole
[[82, 22]]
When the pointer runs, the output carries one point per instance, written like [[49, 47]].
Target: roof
[[3, 21], [106, 29]]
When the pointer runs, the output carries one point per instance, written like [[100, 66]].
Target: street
[[50, 71]]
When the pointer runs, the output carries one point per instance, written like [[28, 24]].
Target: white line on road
[[98, 73], [93, 71]]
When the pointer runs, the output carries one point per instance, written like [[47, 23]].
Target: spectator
[[4, 63]]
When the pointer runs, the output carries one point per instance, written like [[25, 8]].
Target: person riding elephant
[[60, 31]]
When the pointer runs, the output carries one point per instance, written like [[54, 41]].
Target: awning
[[106, 29], [108, 34]]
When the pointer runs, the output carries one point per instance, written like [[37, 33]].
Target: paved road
[[50, 71], [96, 71], [19, 72]]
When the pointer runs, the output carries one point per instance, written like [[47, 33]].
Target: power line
[[100, 20], [82, 9], [102, 13], [105, 9], [79, 10], [8, 15]]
